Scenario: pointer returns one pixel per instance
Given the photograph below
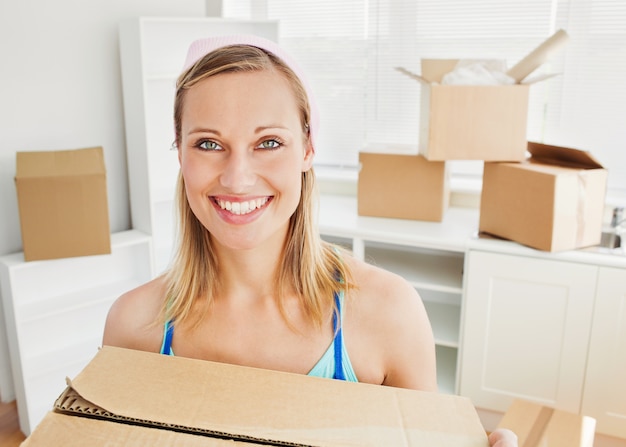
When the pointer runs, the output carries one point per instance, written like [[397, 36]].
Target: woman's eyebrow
[[203, 130], [269, 127]]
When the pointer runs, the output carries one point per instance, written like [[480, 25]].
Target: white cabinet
[[430, 255], [526, 330], [55, 312], [549, 328], [152, 52], [605, 384]]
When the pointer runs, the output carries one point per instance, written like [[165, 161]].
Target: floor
[[10, 434]]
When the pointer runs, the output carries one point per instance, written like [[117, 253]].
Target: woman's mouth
[[241, 207]]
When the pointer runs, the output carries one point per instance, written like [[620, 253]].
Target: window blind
[[349, 50]]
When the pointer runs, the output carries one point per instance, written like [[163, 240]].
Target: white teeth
[[242, 207]]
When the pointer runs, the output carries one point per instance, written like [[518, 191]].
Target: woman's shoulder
[[379, 285], [402, 344], [132, 321]]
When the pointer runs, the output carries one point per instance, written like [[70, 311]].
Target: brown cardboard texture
[[62, 200], [553, 201], [212, 401], [402, 186], [470, 122], [540, 426]]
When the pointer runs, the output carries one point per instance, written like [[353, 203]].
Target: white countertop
[[457, 232]]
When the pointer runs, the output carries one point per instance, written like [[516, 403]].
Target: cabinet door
[[605, 384], [526, 328]]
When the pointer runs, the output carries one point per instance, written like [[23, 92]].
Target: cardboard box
[[402, 186], [62, 200], [140, 398], [540, 426], [553, 201], [470, 122]]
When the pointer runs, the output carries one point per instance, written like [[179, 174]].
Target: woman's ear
[[309, 154]]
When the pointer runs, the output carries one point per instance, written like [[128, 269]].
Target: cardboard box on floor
[[402, 186], [553, 201], [126, 397], [62, 200], [540, 426]]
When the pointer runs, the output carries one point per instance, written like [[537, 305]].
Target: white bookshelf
[[55, 312], [153, 51]]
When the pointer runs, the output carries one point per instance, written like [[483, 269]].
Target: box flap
[[60, 163], [563, 156], [435, 69], [280, 408]]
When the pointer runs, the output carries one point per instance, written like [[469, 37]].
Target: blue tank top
[[334, 364]]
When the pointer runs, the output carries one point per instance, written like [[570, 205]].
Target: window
[[349, 49]]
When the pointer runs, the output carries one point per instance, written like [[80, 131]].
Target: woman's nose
[[238, 174]]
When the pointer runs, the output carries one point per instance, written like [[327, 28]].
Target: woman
[[252, 283]]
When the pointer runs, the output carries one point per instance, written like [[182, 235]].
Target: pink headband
[[200, 48]]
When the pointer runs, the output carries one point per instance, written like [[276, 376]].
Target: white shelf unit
[[429, 255], [153, 51], [55, 312]]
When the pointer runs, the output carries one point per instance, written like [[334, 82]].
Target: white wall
[[60, 88]]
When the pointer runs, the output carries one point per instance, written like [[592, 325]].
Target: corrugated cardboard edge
[[61, 430], [71, 403]]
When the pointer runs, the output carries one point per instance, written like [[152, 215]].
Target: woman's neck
[[250, 272]]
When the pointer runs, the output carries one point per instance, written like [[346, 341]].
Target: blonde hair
[[309, 266]]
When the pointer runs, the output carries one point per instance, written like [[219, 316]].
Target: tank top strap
[[168, 335], [338, 340]]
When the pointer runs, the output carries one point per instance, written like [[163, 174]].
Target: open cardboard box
[[552, 201], [478, 122], [62, 200], [126, 397], [402, 186], [470, 122]]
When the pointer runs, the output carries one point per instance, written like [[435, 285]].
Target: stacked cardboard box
[[457, 122], [552, 199]]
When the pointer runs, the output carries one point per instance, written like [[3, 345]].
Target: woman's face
[[242, 153]]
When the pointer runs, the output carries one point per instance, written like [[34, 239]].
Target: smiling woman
[[252, 282]]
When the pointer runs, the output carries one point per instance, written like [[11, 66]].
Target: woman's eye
[[270, 144], [209, 145]]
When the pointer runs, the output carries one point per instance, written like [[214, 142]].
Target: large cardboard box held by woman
[[126, 397]]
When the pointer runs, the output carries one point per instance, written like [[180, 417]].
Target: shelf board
[[433, 271], [338, 216]]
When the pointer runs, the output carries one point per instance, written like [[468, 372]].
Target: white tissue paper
[[478, 72]]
